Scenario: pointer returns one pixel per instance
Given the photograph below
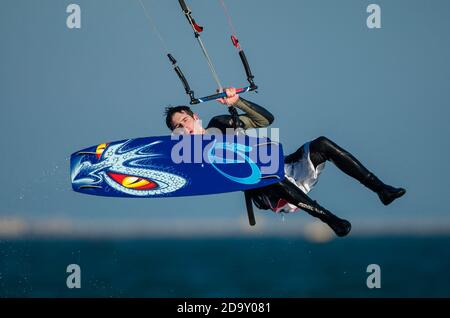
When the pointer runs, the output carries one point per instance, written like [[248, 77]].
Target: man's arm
[[255, 116]]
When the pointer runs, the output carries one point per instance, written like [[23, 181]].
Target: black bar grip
[[187, 88], [246, 66], [184, 6], [180, 74], [172, 59]]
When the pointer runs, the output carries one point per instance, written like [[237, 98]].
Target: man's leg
[[323, 149], [290, 192]]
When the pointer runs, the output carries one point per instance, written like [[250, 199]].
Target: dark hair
[[169, 111]]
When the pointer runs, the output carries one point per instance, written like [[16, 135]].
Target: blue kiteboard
[[168, 167]]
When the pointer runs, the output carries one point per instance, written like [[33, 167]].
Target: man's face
[[191, 125]]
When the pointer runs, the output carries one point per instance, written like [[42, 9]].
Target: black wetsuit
[[320, 150]]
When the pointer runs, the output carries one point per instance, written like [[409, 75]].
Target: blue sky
[[380, 93]]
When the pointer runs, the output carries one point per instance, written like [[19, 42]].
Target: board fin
[[249, 205]]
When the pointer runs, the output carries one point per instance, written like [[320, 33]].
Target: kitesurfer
[[302, 168]]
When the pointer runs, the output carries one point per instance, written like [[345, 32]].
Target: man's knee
[[320, 149], [321, 141], [320, 144]]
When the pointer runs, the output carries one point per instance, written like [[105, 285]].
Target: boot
[[340, 226], [385, 192]]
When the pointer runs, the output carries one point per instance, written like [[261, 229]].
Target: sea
[[226, 267]]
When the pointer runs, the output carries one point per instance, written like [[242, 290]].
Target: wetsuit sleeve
[[255, 116]]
